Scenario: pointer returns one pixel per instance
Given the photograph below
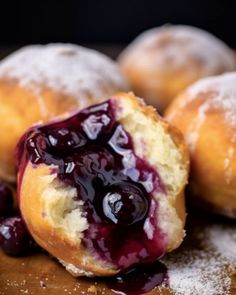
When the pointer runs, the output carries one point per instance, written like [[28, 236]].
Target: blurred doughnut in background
[[163, 61]]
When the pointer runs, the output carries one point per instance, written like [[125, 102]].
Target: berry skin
[[6, 200], [14, 237], [125, 204]]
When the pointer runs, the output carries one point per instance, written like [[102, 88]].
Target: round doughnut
[[39, 82], [103, 190], [206, 114], [163, 61]]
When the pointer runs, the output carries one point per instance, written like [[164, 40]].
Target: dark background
[[103, 21]]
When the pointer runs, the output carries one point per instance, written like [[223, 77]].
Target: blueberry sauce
[[14, 237], [92, 152], [139, 280], [6, 200]]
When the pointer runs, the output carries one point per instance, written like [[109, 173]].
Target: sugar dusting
[[228, 169], [195, 126], [204, 263], [177, 45], [216, 95], [66, 68], [75, 271], [222, 98]]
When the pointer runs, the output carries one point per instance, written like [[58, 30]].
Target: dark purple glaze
[[139, 280], [6, 200], [14, 237], [92, 152]]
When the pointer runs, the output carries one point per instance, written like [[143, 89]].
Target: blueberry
[[62, 139], [125, 204], [14, 237], [6, 200]]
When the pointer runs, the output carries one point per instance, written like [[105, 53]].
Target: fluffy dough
[[54, 216]]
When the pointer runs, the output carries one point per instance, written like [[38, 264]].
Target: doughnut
[[103, 189], [206, 114], [163, 61], [39, 82]]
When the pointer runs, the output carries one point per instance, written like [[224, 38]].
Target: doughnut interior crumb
[[62, 209], [153, 142]]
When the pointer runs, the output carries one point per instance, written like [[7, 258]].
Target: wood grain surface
[[40, 274]]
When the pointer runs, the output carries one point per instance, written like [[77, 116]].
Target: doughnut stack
[[100, 174]]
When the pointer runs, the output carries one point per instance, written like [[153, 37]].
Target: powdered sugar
[[222, 90], [203, 264], [65, 68], [195, 126], [228, 169], [223, 239], [75, 271], [177, 46], [213, 94]]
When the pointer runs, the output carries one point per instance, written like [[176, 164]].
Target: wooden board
[[40, 274]]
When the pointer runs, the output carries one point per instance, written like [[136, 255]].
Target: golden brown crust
[[210, 138], [144, 81], [50, 238], [20, 108], [163, 61], [32, 90]]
